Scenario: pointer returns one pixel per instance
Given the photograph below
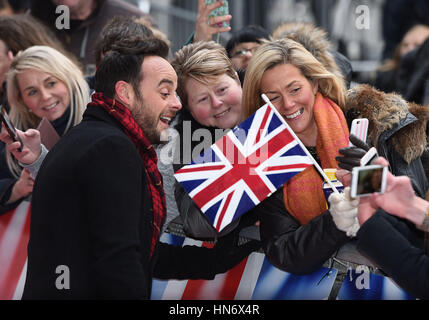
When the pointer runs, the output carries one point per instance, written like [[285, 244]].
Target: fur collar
[[389, 112]]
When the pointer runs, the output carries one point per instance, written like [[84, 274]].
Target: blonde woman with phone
[[42, 83]]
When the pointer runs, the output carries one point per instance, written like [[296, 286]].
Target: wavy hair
[[287, 51]]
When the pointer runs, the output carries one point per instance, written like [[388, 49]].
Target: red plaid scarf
[[148, 154]]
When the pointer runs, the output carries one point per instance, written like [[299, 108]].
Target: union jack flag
[[244, 167]]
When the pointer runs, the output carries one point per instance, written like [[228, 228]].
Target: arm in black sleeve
[[188, 262], [193, 262], [294, 248], [380, 240], [195, 224], [406, 228]]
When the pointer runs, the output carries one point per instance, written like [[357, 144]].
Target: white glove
[[344, 212]]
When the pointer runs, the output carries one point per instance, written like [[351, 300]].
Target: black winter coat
[[92, 213], [397, 165], [395, 246], [410, 78], [295, 248]]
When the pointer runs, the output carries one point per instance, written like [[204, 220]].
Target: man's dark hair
[[124, 63], [250, 33], [117, 29]]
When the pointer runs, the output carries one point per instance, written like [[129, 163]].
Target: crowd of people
[[111, 89]]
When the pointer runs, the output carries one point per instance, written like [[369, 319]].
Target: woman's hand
[[22, 188], [399, 198], [350, 156], [344, 212], [32, 145], [205, 28]]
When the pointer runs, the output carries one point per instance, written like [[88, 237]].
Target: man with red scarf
[[99, 205]]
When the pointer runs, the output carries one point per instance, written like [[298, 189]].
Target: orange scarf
[[303, 194]]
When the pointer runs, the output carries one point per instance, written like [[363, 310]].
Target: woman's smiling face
[[43, 94], [217, 104], [293, 95]]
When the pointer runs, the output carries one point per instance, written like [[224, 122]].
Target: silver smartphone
[[368, 180]]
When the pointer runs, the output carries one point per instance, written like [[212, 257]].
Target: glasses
[[242, 52]]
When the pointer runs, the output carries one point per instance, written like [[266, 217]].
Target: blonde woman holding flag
[[310, 99]]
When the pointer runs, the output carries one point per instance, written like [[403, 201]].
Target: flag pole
[[301, 144]]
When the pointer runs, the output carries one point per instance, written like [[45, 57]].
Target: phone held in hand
[[368, 180], [4, 117], [221, 11], [359, 129]]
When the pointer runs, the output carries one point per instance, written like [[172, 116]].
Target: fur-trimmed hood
[[316, 41], [390, 117]]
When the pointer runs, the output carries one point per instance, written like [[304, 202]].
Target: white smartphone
[[359, 129], [369, 157], [368, 180]]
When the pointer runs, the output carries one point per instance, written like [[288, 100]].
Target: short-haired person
[[115, 30], [41, 83], [211, 93], [99, 204], [242, 44], [120, 28]]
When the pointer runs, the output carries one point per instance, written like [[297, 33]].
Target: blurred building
[[343, 19]]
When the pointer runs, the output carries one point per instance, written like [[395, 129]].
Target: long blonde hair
[[48, 60], [287, 51]]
